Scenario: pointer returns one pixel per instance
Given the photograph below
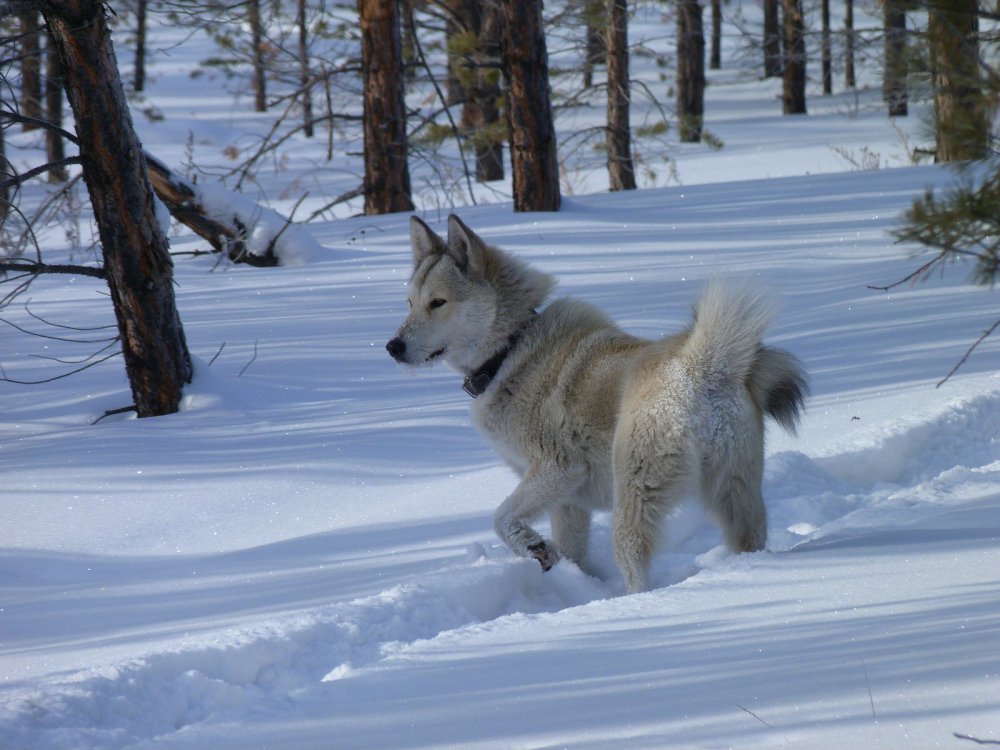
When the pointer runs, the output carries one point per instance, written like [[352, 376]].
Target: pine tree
[[619, 134], [137, 264], [532, 135], [387, 173], [690, 70]]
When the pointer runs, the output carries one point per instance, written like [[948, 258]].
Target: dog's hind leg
[[636, 528], [738, 506], [543, 487], [646, 488], [731, 490], [571, 532], [652, 463]]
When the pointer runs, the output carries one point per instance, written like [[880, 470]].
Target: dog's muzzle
[[396, 348]]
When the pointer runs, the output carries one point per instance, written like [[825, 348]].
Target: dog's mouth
[[434, 355]]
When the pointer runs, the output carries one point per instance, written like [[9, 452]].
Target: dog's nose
[[396, 348]]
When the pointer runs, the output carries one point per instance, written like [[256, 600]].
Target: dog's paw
[[545, 553]]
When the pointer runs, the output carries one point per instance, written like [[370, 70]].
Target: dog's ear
[[464, 245], [424, 241]]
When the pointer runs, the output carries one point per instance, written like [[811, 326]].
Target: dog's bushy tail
[[779, 385], [726, 345]]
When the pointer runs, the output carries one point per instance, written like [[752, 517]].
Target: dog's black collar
[[476, 382]]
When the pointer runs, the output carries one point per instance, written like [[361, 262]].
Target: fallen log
[[186, 205]]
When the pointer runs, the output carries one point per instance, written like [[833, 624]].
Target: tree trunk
[[794, 58], [31, 67], [772, 39], [456, 25], [690, 70], [715, 56], [259, 64], [532, 135], [595, 53], [895, 73], [387, 174], [5, 172], [960, 108], [825, 52], [305, 73], [481, 111], [619, 134], [850, 80], [140, 45], [136, 259], [55, 150]]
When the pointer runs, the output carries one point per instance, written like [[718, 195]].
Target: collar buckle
[[477, 383]]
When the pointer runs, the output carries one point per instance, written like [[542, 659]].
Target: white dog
[[593, 418]]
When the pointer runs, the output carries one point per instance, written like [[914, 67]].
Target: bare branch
[[912, 276], [342, 198], [252, 360], [38, 123], [975, 739], [19, 179], [64, 375], [968, 352], [113, 412], [35, 268], [56, 338], [85, 329]]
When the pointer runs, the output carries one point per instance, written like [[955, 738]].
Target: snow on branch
[[232, 223]]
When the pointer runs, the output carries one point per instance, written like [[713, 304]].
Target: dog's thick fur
[[593, 418]]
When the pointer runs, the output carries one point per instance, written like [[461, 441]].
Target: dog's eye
[[436, 303]]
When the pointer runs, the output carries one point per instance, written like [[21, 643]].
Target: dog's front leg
[[542, 488]]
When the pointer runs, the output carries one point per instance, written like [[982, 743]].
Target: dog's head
[[465, 298]]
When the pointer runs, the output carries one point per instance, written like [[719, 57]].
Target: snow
[[303, 557]]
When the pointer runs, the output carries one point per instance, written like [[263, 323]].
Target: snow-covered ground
[[304, 556]]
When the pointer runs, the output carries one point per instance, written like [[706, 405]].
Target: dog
[[592, 418]]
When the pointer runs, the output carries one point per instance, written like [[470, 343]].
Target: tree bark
[[960, 109], [595, 51], [481, 110], [31, 67], [772, 39], [690, 70], [136, 259], [532, 136], [715, 56], [140, 45], [850, 80], [794, 58], [305, 73], [387, 173], [894, 74], [826, 53], [621, 173], [5, 172], [55, 150], [258, 62]]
